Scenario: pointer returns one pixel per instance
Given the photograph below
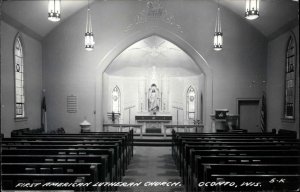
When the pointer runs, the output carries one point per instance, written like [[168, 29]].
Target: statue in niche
[[153, 99]]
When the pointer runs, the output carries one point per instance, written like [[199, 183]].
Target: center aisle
[[152, 164]]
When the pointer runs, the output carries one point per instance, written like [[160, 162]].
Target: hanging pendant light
[[218, 36], [252, 9], [89, 36], [54, 10]]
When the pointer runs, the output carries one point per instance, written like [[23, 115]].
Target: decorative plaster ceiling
[[32, 14], [139, 59]]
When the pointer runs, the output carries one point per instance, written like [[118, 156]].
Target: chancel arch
[[167, 103]]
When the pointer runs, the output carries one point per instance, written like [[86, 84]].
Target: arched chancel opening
[[172, 38]]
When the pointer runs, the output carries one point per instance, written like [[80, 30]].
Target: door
[[249, 115]]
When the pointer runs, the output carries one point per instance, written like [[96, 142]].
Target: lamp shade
[[218, 41], [252, 9], [218, 35], [54, 10], [89, 41], [89, 35]]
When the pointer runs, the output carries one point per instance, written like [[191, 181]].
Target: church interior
[[150, 95]]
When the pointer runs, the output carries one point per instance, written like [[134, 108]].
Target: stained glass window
[[290, 77], [19, 79], [191, 102], [116, 100]]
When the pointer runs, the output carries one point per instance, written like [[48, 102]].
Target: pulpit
[[149, 120], [224, 122]]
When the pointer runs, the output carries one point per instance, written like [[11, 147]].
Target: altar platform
[[153, 123]]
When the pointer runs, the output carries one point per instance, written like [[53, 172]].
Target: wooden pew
[[103, 170], [183, 155], [226, 155], [91, 144], [186, 128], [116, 139], [96, 170], [201, 160], [242, 141], [112, 150], [121, 126], [183, 150], [181, 146], [116, 169], [128, 137], [257, 151], [239, 154], [69, 144], [178, 137], [108, 174], [248, 144]]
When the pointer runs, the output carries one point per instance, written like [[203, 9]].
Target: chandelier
[[218, 36], [54, 10], [89, 36], [252, 9]]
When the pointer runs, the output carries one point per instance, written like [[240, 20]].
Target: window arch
[[191, 103], [19, 77], [290, 79], [116, 100]]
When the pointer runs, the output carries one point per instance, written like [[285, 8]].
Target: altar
[[153, 121]]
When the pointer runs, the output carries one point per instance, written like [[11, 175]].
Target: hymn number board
[[72, 104]]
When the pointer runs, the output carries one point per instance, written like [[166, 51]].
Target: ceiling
[[153, 54], [29, 13], [280, 11], [33, 13]]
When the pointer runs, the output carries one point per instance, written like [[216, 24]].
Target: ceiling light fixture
[[252, 9], [54, 10], [218, 36], [89, 36]]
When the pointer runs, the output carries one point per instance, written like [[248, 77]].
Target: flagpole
[[44, 112], [45, 123], [263, 114]]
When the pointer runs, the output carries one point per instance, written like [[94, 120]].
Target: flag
[[44, 115], [263, 114]]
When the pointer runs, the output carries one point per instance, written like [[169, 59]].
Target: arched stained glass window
[[191, 103], [290, 80], [19, 78], [116, 100]]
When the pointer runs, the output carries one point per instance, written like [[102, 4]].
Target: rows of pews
[[237, 161], [77, 162]]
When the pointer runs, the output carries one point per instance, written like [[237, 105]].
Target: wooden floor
[[152, 164]]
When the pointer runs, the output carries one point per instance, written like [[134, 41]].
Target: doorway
[[249, 116]]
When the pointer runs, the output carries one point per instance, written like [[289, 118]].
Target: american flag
[[263, 114]]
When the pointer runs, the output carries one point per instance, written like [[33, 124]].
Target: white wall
[[72, 70], [33, 80], [275, 83]]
